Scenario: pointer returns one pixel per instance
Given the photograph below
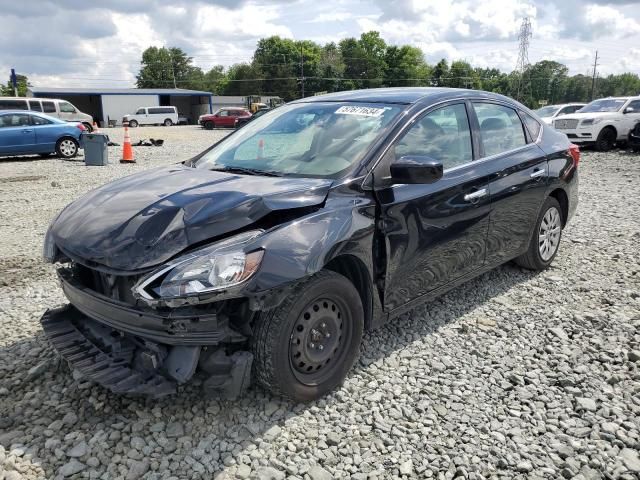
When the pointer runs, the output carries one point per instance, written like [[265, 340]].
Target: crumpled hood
[[145, 219]]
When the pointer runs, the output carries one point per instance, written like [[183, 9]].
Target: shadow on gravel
[[38, 393]]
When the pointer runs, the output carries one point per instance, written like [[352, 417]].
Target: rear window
[[35, 105], [48, 107], [13, 105]]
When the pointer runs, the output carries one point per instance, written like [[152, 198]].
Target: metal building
[[111, 104]]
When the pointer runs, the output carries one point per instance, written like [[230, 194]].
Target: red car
[[228, 117]]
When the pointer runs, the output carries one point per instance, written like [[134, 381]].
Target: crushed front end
[[117, 334]]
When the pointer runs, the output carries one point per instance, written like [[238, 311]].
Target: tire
[[67, 147], [549, 222], [88, 126], [606, 139], [209, 125], [167, 122], [635, 149], [133, 123], [322, 312]]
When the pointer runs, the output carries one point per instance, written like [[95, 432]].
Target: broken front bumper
[[131, 351]]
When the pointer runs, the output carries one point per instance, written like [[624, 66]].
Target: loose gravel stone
[[514, 375]]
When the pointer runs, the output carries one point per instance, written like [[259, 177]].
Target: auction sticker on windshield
[[364, 111]]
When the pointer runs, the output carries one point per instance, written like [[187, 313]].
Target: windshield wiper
[[247, 171]]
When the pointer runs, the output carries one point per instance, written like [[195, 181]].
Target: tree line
[[295, 68], [287, 68]]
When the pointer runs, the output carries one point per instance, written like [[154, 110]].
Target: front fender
[[302, 247]]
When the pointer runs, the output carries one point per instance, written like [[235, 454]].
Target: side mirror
[[414, 169], [629, 110]]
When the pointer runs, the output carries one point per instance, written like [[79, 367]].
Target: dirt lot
[[513, 375]]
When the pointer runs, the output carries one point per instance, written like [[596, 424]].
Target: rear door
[[630, 118], [519, 171], [16, 134], [49, 107], [433, 233]]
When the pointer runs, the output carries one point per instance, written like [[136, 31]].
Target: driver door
[[434, 233]]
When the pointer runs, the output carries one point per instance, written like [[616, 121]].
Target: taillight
[[81, 127], [574, 150]]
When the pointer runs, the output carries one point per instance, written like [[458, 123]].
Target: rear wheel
[[168, 122], [606, 139], [209, 125], [133, 123], [545, 240], [67, 147], [305, 347]]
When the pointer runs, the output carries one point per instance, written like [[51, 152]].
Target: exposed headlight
[[49, 249], [590, 121], [217, 267]]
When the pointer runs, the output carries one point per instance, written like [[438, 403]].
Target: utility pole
[[593, 78], [524, 85], [302, 68]]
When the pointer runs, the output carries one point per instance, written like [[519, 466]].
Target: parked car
[[53, 107], [602, 122], [166, 116], [228, 117], [634, 138], [550, 112], [30, 133], [268, 255]]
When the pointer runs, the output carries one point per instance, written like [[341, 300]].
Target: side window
[[35, 105], [635, 105], [223, 113], [36, 120], [500, 128], [140, 111], [442, 134], [13, 105], [532, 125], [15, 120], [66, 107], [48, 107], [154, 111]]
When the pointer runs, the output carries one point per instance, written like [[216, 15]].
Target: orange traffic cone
[[95, 127], [127, 151]]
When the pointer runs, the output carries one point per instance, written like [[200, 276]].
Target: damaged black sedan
[[266, 257]]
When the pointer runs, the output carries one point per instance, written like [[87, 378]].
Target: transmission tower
[[523, 87]]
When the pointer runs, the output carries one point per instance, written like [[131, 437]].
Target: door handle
[[27, 130], [538, 174], [475, 196]]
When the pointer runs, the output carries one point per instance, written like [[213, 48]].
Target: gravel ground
[[514, 375]]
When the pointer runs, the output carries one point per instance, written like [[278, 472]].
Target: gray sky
[[61, 43]]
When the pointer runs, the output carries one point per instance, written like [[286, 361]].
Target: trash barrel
[[95, 148]]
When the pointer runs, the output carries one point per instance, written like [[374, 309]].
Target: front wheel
[[168, 122], [133, 123], [305, 347], [209, 125], [88, 126], [606, 139], [545, 240], [67, 147]]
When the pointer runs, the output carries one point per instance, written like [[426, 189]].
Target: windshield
[[549, 111], [319, 139], [604, 105]]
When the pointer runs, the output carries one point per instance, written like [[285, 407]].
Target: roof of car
[[402, 95]]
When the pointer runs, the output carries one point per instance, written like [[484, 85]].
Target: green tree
[[462, 75], [165, 67], [23, 84], [440, 76], [405, 66], [243, 79]]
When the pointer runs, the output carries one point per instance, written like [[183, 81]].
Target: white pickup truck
[[602, 122]]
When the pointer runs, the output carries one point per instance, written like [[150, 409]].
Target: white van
[[54, 107], [166, 116]]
